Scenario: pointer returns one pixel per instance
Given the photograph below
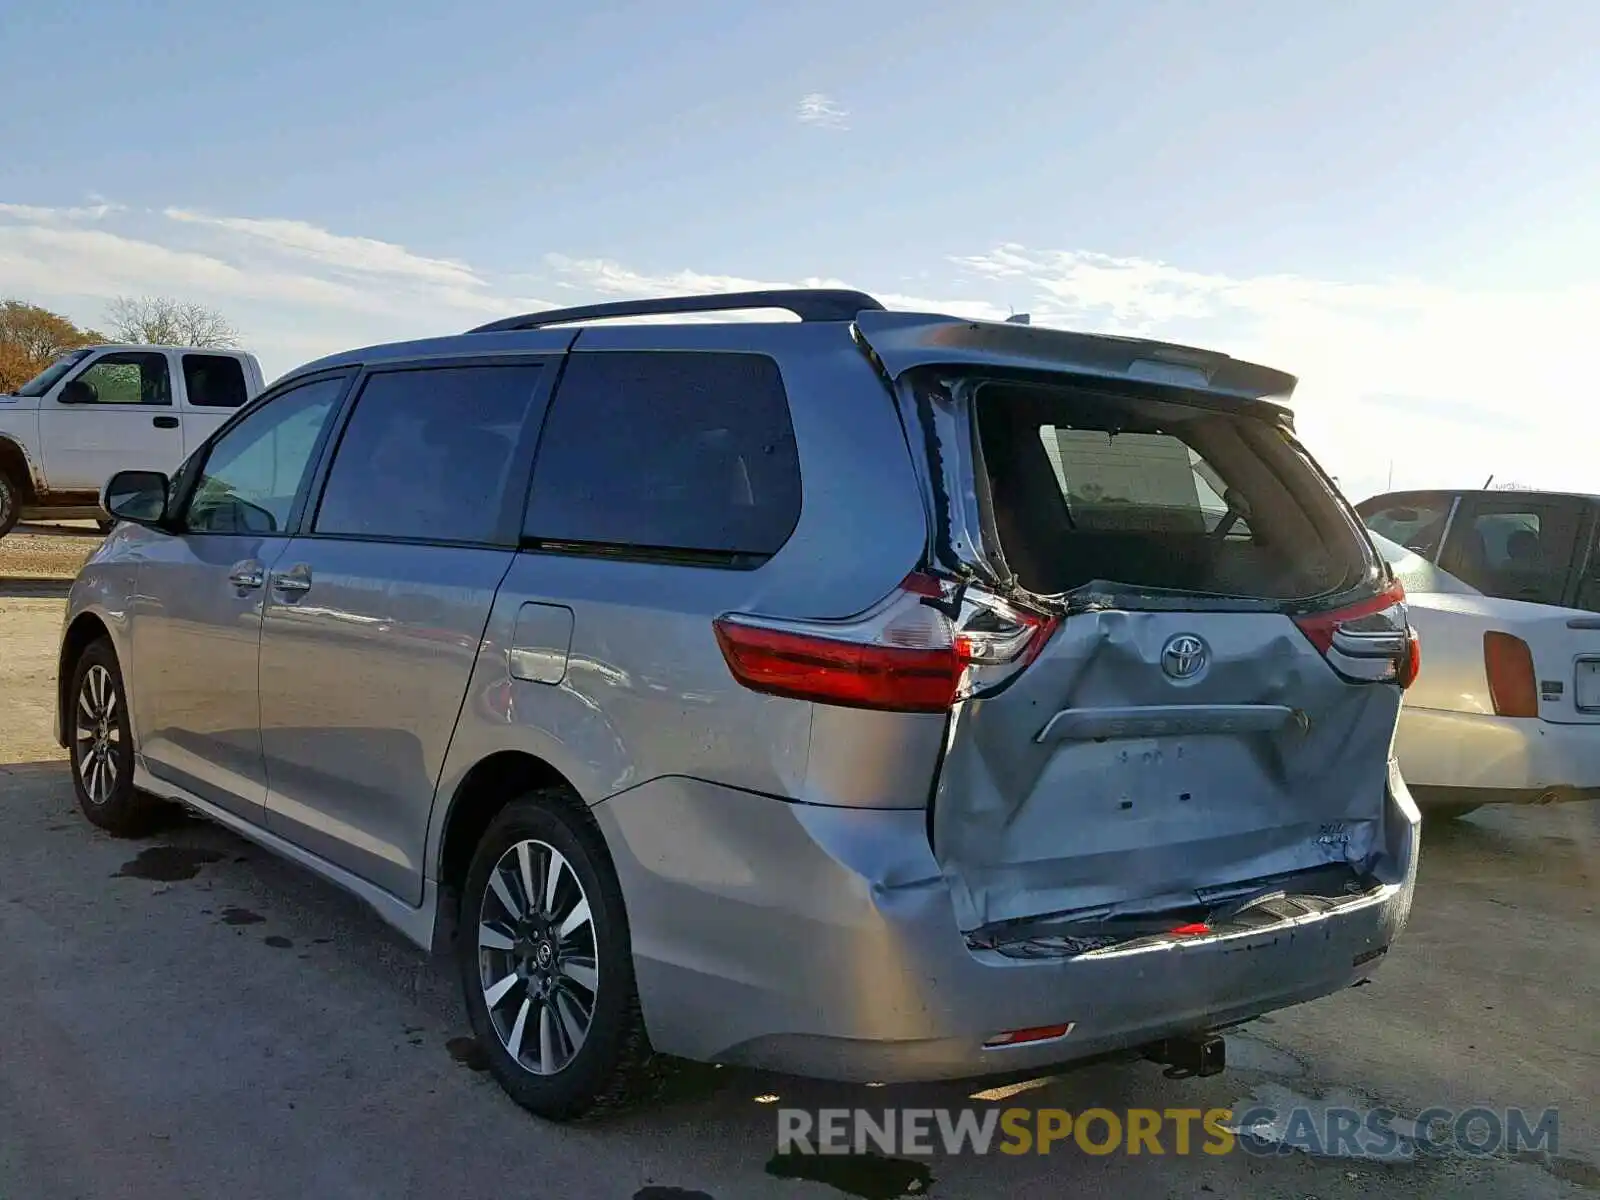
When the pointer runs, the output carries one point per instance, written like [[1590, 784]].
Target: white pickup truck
[[103, 409]]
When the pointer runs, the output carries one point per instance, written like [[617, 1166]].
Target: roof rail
[[809, 304]]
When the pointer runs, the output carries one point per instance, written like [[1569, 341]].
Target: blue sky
[[1400, 202]]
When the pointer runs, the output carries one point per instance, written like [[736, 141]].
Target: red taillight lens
[[1513, 687], [1368, 642], [837, 672], [903, 655]]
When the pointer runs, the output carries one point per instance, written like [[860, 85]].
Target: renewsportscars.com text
[[1347, 1132]]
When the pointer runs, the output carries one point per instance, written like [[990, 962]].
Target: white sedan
[[1507, 706]]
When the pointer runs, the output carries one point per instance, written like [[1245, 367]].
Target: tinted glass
[[253, 472], [428, 454], [1519, 549], [1144, 494], [133, 377], [214, 381], [1417, 523], [676, 451]]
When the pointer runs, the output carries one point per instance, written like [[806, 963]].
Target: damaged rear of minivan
[[1167, 769]]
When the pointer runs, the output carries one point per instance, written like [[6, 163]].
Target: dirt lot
[[188, 1016]]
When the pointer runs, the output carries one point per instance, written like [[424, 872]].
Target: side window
[[1416, 523], [684, 451], [127, 377], [1518, 549], [253, 472], [214, 381], [427, 455]]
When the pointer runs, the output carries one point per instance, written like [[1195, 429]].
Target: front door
[[114, 415], [197, 612], [374, 615]]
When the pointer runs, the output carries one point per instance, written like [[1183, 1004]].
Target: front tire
[[546, 961], [101, 744], [10, 502]]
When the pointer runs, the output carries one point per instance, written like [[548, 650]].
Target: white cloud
[[823, 111], [361, 254], [1450, 384], [34, 212]]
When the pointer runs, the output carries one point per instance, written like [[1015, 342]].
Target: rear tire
[[10, 502], [549, 985], [100, 740]]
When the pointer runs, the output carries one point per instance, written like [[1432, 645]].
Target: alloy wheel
[[97, 734], [538, 961]]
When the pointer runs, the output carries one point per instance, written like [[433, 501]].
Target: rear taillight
[[912, 652], [1368, 642], [1513, 687]]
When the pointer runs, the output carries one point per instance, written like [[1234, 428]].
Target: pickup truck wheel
[[10, 501], [102, 746], [546, 962]]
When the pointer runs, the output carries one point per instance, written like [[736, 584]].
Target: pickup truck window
[[128, 377], [214, 381]]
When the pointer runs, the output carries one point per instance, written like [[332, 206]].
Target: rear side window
[[1089, 487], [679, 451], [214, 380], [430, 455], [1519, 549]]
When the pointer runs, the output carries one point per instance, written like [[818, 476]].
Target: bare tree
[[163, 321]]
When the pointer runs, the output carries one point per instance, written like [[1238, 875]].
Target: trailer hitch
[[1193, 1057]]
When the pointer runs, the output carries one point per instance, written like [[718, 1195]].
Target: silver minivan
[[875, 696]]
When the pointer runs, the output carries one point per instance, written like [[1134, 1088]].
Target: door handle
[[294, 581], [245, 576], [164, 422]]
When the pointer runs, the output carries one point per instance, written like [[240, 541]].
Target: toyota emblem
[[1184, 656]]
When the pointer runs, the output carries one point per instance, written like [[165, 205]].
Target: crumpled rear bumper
[[822, 941]]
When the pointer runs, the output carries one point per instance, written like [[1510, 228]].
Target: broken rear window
[[1089, 486]]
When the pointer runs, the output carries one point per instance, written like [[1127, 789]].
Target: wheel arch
[[85, 629], [18, 467], [485, 789]]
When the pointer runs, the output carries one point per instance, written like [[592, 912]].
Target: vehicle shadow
[[28, 587]]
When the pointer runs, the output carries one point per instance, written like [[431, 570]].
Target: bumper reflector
[[1023, 1037]]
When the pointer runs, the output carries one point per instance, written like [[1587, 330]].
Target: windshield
[[1416, 573], [45, 379]]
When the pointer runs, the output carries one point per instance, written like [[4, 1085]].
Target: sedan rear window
[[1095, 487]]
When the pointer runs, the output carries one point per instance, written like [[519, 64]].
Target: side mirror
[[137, 496], [78, 391]]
